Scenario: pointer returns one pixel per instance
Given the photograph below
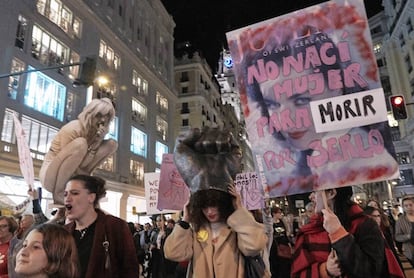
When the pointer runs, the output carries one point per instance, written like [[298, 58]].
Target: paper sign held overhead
[[311, 95], [173, 192]]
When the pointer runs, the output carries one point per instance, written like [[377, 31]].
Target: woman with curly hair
[[221, 229], [48, 250], [104, 242]]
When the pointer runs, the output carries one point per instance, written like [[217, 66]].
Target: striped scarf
[[312, 247]]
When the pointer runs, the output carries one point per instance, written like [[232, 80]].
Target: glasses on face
[[3, 226]]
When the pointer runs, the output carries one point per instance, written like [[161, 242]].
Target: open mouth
[[68, 207]]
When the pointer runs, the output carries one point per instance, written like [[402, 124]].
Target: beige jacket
[[222, 259]]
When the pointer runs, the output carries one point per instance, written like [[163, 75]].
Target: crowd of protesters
[[19, 236], [216, 236]]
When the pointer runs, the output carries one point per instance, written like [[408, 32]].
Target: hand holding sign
[[331, 222]]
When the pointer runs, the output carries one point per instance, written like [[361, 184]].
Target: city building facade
[[230, 96], [392, 37], [132, 43], [397, 57], [201, 103]]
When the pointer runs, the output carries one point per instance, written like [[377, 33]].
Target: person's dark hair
[[258, 215], [131, 227], [275, 210], [385, 222], [369, 210], [93, 184], [209, 198], [342, 204], [375, 201]]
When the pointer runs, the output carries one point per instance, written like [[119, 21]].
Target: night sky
[[204, 23]]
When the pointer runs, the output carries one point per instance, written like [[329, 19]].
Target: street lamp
[[103, 91], [102, 81]]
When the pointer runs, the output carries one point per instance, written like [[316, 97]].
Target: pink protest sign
[[25, 159], [312, 99], [247, 184], [173, 193]]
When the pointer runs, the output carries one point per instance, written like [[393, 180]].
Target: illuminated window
[[144, 87], [107, 164], [41, 6], [377, 47], [61, 15], [136, 169], [7, 133], [74, 71], [113, 130], [136, 79], [160, 149], [13, 87], [140, 83], [138, 142], [111, 58], [139, 111], [47, 49], [66, 19], [162, 103], [38, 134], [45, 95], [54, 11], [162, 128], [77, 27]]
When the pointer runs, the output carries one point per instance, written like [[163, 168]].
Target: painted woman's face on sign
[[293, 110]]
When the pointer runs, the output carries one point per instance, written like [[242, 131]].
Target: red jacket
[[362, 252], [124, 262]]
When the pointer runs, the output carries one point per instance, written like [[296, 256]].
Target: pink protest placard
[[173, 192], [247, 184], [312, 99]]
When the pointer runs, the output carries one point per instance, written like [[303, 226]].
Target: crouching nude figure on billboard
[[79, 147]]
